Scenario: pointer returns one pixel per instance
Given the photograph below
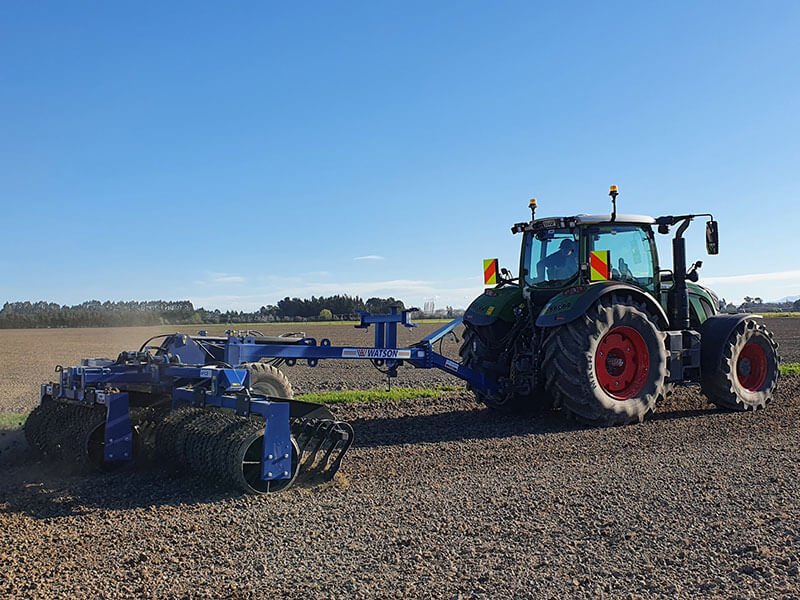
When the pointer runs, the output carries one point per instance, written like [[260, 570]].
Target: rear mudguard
[[714, 332], [574, 302], [494, 304]]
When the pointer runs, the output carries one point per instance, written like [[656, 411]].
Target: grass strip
[[9, 420], [790, 369], [779, 315], [376, 395]]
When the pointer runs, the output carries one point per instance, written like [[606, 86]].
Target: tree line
[[93, 313]]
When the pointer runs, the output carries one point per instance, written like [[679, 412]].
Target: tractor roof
[[559, 222], [591, 219]]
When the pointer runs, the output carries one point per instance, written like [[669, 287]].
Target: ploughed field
[[438, 498], [787, 334]]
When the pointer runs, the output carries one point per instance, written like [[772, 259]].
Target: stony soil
[[787, 333], [438, 499]]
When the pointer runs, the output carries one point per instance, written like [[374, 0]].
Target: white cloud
[[765, 285], [777, 276], [214, 277], [369, 257], [458, 293]]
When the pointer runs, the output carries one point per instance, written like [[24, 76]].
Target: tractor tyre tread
[[568, 363]]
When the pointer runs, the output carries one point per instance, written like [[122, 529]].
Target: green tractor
[[593, 325]]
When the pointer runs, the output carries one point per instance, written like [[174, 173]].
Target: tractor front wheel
[[747, 373], [608, 367]]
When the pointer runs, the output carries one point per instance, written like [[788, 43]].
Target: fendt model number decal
[[375, 353]]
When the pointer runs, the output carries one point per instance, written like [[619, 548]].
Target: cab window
[[630, 252], [551, 257]]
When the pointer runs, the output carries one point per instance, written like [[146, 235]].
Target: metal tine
[[348, 429], [337, 438], [340, 438], [345, 430], [326, 425], [302, 440], [323, 463], [309, 431], [319, 439]]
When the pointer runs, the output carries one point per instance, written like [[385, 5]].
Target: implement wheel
[[608, 367], [747, 374], [268, 380]]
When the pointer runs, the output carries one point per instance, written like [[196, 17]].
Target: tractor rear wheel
[[268, 380], [608, 367], [747, 373]]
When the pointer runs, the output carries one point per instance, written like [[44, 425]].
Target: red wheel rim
[[751, 367], [622, 363]]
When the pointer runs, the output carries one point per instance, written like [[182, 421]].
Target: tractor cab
[[566, 255], [564, 252]]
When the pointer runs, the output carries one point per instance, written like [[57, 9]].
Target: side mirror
[[712, 237], [693, 275]]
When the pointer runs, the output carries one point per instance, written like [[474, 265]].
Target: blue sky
[[236, 153]]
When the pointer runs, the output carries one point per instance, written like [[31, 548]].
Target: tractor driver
[[561, 264]]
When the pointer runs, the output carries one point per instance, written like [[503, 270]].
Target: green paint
[[561, 303], [700, 310], [497, 303]]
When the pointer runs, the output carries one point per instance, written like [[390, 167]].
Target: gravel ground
[[440, 499]]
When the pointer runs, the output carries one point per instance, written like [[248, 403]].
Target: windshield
[[551, 257]]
